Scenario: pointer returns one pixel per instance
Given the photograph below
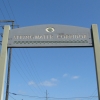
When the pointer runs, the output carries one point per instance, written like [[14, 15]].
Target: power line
[[27, 95], [19, 73], [2, 14], [22, 77], [26, 65], [74, 97], [53, 97], [12, 97], [28, 69], [12, 11], [93, 93], [23, 72], [31, 65], [23, 65], [6, 9]]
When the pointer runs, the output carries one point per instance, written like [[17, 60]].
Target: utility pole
[[46, 95]]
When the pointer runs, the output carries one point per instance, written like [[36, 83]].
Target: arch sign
[[49, 36]]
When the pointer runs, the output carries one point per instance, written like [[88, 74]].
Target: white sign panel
[[50, 36]]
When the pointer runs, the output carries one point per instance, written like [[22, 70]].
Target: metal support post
[[3, 58], [97, 55], [9, 66], [9, 60]]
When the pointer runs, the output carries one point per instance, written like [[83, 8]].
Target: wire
[[21, 75], [3, 17], [12, 97], [12, 11], [27, 95], [52, 97], [23, 64], [28, 69], [2, 14], [6, 9], [31, 65], [73, 97], [29, 72], [93, 93]]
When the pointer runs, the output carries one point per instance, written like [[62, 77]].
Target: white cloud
[[54, 79], [65, 75], [75, 77], [48, 83], [32, 83]]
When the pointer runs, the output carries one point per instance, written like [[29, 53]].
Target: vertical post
[[3, 58], [8, 75], [97, 55], [9, 65], [46, 95]]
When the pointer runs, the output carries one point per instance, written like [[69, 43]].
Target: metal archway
[[49, 36]]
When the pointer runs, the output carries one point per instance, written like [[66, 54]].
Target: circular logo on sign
[[50, 29]]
